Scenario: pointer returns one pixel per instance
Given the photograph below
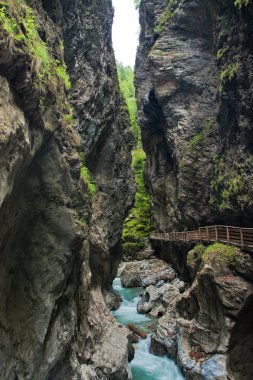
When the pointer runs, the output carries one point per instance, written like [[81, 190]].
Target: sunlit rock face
[[59, 247], [194, 90]]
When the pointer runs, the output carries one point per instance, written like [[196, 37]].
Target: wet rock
[[131, 348], [146, 272], [133, 338], [112, 300], [160, 283], [156, 300]]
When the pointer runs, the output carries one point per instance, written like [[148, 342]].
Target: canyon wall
[[65, 189], [194, 94], [194, 84]]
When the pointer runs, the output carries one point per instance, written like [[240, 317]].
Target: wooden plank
[[216, 234]]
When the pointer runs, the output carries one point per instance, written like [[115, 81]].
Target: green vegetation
[[222, 253], [202, 135], [19, 22], [241, 3], [165, 17], [126, 83], [86, 175], [216, 253], [229, 72], [231, 185], [137, 225], [61, 71], [221, 52], [137, 3]]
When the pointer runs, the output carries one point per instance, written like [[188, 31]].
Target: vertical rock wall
[[59, 247], [194, 91]]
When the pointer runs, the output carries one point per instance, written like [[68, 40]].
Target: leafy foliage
[[137, 226], [126, 83]]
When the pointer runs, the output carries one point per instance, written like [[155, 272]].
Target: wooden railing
[[241, 237]]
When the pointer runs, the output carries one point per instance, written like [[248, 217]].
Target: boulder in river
[[146, 272], [155, 300]]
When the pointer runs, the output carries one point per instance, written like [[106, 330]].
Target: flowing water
[[145, 366]]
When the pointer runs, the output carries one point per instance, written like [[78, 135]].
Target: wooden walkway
[[240, 237]]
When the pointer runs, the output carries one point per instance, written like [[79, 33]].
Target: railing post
[[241, 235], [228, 234], [207, 233], [216, 233]]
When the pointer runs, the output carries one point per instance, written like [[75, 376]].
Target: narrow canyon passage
[[144, 366], [121, 120]]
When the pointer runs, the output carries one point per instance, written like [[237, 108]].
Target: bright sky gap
[[125, 31]]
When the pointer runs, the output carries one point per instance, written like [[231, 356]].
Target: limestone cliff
[[194, 92], [59, 245]]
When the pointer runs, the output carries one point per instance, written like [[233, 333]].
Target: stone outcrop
[[207, 329], [145, 273], [194, 91], [59, 247]]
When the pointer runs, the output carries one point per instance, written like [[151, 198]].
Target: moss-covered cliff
[[64, 134]]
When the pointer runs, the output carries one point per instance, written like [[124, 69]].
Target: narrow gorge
[[82, 188]]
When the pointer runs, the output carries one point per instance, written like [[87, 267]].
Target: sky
[[125, 31]]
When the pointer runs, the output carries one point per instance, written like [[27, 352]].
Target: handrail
[[238, 236]]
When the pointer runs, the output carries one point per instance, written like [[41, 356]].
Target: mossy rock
[[194, 259], [221, 255]]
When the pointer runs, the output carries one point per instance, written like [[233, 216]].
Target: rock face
[[59, 248], [145, 273], [207, 329], [194, 92]]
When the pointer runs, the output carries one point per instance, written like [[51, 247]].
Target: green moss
[[61, 71], [202, 135], [86, 175], [165, 17], [19, 22], [231, 186], [219, 252]]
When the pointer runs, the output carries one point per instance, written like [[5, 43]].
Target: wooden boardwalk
[[240, 237]]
